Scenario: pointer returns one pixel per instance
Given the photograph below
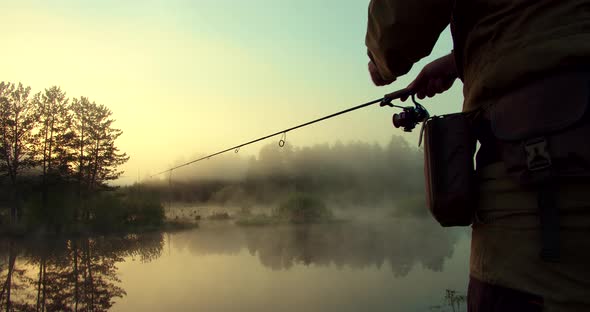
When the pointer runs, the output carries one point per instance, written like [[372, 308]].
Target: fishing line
[[385, 101]]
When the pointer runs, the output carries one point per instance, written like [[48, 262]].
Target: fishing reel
[[410, 116]]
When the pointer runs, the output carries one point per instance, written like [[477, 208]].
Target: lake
[[388, 265]]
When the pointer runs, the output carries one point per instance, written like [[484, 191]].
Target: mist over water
[[357, 178]]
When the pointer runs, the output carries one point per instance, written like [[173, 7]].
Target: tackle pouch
[[449, 169], [543, 128]]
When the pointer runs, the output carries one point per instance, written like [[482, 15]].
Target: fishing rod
[[407, 119]]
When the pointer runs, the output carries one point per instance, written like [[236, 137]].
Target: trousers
[[506, 241]]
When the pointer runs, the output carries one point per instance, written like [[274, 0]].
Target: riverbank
[[22, 231]]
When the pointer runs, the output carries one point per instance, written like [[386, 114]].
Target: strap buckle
[[537, 154]]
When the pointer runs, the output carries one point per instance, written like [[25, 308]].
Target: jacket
[[498, 44]]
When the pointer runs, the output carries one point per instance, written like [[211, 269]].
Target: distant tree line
[[48, 140], [355, 175]]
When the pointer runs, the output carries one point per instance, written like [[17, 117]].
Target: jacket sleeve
[[401, 32]]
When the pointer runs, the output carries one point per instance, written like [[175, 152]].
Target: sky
[[188, 78]]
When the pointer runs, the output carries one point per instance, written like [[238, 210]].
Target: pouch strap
[[539, 164], [549, 217]]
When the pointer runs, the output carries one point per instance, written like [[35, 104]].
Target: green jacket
[[498, 43]]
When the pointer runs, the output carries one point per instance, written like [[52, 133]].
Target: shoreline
[[20, 231]]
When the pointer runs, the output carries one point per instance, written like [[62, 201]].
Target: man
[[524, 67]]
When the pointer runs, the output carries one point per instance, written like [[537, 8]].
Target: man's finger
[[439, 85], [431, 88], [448, 83]]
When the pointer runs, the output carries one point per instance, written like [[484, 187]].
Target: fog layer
[[348, 177]]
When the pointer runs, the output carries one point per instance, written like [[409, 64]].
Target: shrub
[[53, 212], [107, 212], [115, 211], [219, 216], [303, 208], [255, 220]]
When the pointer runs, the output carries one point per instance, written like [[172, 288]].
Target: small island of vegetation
[[299, 208], [57, 155]]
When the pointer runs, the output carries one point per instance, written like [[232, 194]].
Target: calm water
[[404, 265]]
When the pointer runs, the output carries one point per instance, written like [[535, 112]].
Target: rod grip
[[398, 94]]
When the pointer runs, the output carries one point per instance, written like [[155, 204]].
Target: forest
[[57, 155]]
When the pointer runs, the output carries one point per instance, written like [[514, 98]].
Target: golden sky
[[186, 78]]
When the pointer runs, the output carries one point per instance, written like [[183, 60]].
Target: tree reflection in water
[[402, 244], [68, 275], [81, 274]]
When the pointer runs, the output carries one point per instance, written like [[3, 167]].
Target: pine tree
[[54, 135], [81, 109], [103, 155], [18, 118]]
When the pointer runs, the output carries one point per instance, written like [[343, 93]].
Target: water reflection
[[402, 244], [68, 275], [82, 274]]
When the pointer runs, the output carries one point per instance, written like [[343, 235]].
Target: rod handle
[[394, 96], [398, 94]]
